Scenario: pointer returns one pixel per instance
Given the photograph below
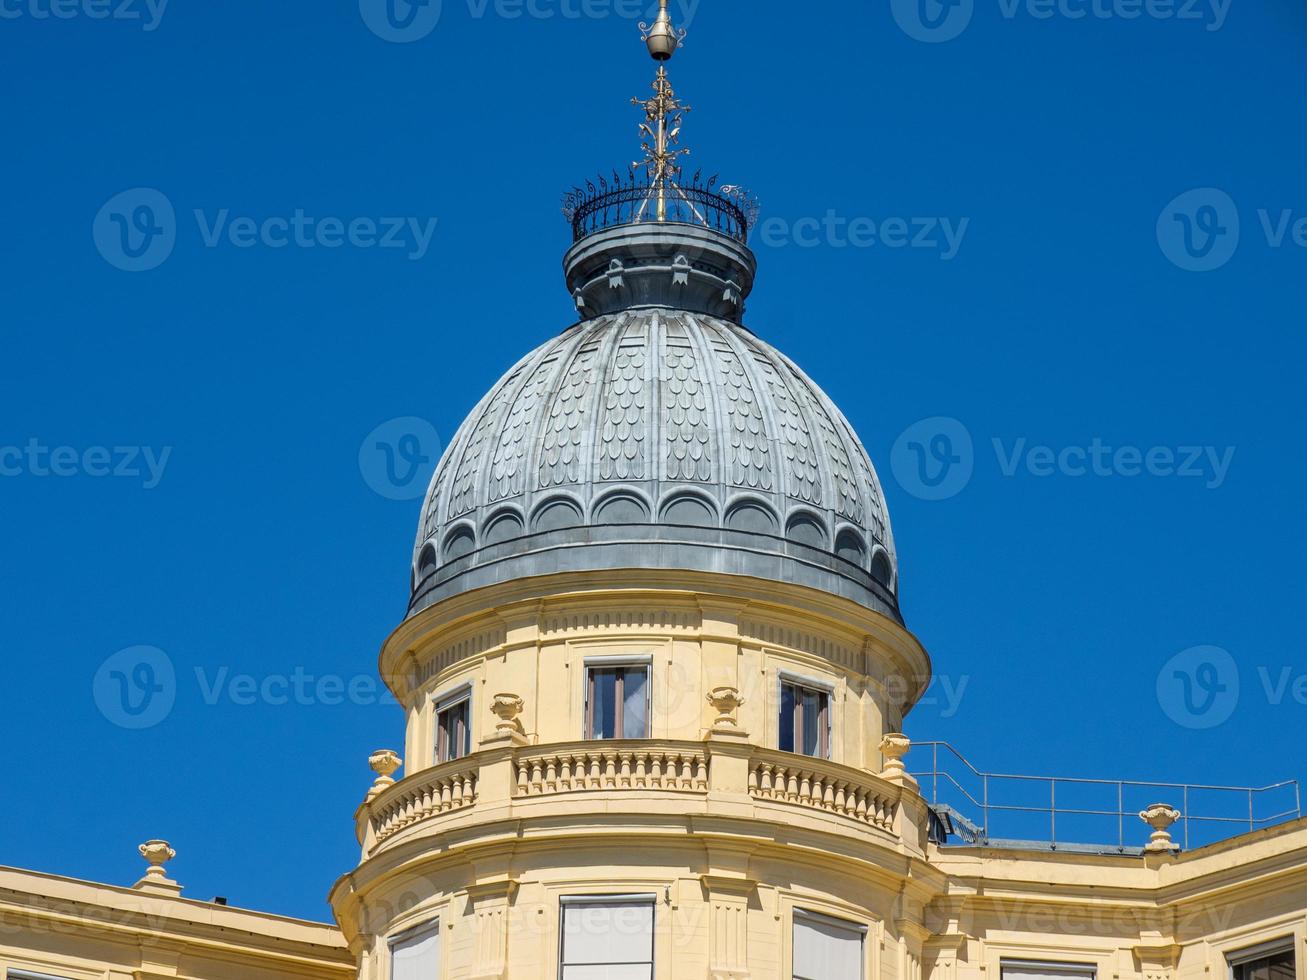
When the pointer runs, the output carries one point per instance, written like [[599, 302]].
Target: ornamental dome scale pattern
[[656, 437]]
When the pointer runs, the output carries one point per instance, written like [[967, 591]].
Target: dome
[[656, 437]]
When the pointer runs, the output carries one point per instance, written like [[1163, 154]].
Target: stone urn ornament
[[385, 763], [157, 853], [1161, 817], [507, 707], [894, 746], [727, 701]]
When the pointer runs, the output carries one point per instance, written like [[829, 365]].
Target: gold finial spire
[[662, 38], [662, 113]]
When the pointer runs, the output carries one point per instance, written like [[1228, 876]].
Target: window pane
[[603, 703], [608, 941], [454, 737], [625, 971], [787, 718], [464, 742], [416, 958], [1278, 966], [634, 722], [825, 949], [1045, 971], [811, 719]]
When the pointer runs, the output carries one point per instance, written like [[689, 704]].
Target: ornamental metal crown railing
[[1097, 815], [633, 199]]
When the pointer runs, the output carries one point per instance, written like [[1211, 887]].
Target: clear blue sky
[[1058, 320]]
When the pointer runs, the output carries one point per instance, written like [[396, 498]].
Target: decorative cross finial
[[661, 128]]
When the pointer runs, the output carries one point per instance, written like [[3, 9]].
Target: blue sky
[[1083, 327]]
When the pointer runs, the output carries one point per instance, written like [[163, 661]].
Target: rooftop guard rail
[[631, 199], [1065, 813]]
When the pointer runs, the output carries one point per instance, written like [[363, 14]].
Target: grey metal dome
[[655, 437]]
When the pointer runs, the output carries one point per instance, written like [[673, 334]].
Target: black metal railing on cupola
[[633, 199]]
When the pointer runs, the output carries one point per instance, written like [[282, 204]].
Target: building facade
[[654, 676]]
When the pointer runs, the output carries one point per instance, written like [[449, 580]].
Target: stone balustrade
[[519, 774], [821, 785], [451, 786], [577, 766]]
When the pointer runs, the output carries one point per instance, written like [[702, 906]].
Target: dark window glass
[[617, 702], [453, 736], [1277, 966], [805, 721], [787, 717]]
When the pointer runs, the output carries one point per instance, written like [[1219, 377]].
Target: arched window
[[556, 515], [504, 526], [849, 546], [690, 511], [806, 529], [881, 571], [426, 560], [459, 542], [621, 508], [752, 516]]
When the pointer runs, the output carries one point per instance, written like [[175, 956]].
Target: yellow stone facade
[[729, 839], [730, 836]]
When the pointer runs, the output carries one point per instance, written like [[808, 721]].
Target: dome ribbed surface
[[659, 426]]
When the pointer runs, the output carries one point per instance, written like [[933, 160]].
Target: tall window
[[1273, 961], [617, 702], [415, 955], [826, 948], [607, 937], [1031, 970], [805, 720], [453, 733]]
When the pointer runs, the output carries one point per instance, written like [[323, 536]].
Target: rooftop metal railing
[[631, 198], [1061, 812]]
